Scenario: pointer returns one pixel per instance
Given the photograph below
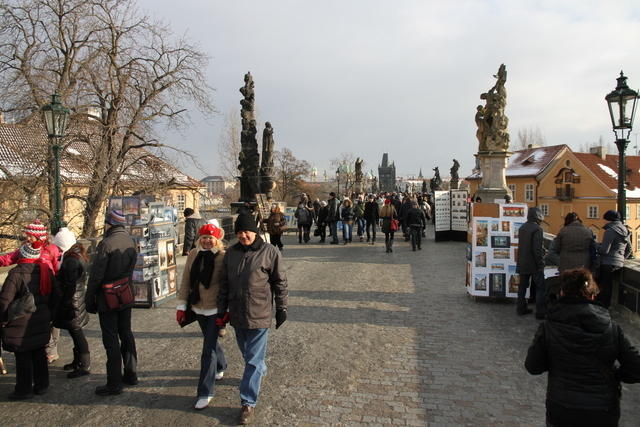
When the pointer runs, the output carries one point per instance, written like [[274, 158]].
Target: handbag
[[22, 305], [118, 294], [395, 225], [316, 232], [189, 317]]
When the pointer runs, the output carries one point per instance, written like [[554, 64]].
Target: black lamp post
[[622, 108], [56, 117]]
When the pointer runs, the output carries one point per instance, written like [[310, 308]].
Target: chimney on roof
[[600, 151]]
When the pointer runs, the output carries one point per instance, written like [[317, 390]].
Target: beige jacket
[[208, 297]]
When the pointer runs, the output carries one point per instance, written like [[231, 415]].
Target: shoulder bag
[[395, 225], [21, 305], [118, 294]]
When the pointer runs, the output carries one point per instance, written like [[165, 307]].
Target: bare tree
[[229, 144], [530, 136], [289, 173], [102, 55]]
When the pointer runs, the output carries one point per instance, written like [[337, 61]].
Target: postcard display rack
[[151, 226], [492, 249], [451, 212]]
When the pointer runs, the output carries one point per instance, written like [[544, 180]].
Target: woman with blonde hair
[[387, 215], [198, 292], [586, 355], [347, 215], [276, 225]]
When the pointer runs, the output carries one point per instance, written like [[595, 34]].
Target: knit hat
[[115, 217], [36, 229], [245, 223], [188, 212], [64, 239], [31, 250], [214, 222], [211, 230], [611, 215]]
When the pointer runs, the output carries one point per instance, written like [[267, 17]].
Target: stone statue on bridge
[[266, 168], [249, 157], [453, 184], [491, 120], [436, 181]]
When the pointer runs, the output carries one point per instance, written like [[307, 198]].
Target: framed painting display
[[480, 282], [141, 294], [481, 232], [162, 254], [171, 253], [497, 284], [500, 241], [513, 211], [172, 274], [514, 280], [480, 259]]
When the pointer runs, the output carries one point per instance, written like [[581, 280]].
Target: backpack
[[304, 216]]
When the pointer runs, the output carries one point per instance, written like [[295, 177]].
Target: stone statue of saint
[[491, 120], [266, 168], [249, 158], [454, 175], [436, 181], [358, 168]]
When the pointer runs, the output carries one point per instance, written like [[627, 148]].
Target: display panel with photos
[[443, 210]]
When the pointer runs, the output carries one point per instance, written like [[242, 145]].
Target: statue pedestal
[[493, 165]]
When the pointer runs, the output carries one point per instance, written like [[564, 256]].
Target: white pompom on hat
[[64, 239]]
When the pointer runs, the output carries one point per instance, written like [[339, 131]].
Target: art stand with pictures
[[492, 249], [451, 215], [151, 227]]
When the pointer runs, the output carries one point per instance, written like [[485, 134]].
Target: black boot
[[74, 364], [83, 367], [522, 308]]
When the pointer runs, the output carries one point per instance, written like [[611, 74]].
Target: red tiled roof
[[23, 151], [606, 170], [529, 162]]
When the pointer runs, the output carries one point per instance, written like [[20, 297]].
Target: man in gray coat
[[531, 263], [253, 281]]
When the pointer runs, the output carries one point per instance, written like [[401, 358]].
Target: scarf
[[201, 272], [45, 275]]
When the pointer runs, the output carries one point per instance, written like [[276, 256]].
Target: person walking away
[[276, 225], [371, 215], [358, 211], [114, 260], [387, 214], [192, 223], [615, 247], [586, 356], [198, 291], [574, 243], [321, 221], [72, 314], [427, 212], [347, 215], [402, 216], [530, 263], [417, 221], [251, 267], [333, 216], [305, 219], [27, 335]]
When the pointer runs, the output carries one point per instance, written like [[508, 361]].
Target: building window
[[544, 209], [180, 202], [638, 241], [592, 212], [512, 188], [627, 212], [638, 211], [528, 193]]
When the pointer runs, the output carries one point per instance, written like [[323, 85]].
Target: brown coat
[[276, 223], [573, 244], [208, 297], [31, 331], [253, 281]]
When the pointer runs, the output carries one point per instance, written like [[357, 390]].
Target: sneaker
[[219, 375], [52, 358], [105, 390], [246, 414], [202, 402]]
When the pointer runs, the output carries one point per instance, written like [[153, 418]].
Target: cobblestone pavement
[[372, 338]]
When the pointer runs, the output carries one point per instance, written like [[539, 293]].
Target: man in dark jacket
[[531, 263], [402, 214], [416, 221], [371, 216], [333, 216], [615, 247], [252, 280], [322, 220], [192, 224], [115, 259]]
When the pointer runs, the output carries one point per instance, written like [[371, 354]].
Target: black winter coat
[[347, 214], [530, 254], [322, 215], [33, 330], [191, 227], [578, 345], [72, 278], [333, 210], [115, 259], [371, 212]]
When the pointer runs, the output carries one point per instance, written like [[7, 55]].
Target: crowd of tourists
[[584, 351], [360, 214]]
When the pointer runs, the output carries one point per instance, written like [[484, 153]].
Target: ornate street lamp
[[56, 117], [622, 108]]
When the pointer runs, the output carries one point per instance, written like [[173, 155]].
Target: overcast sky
[[404, 77]]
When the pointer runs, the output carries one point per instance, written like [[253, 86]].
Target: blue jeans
[[212, 358], [537, 279], [333, 227], [347, 228], [253, 346], [360, 222]]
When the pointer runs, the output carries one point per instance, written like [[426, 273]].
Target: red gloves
[[180, 316], [222, 319]]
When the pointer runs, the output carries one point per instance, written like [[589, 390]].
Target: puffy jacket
[[574, 243], [115, 259], [72, 278], [322, 215], [347, 214], [578, 345], [252, 280], [531, 255], [304, 216], [615, 244], [276, 223], [33, 330], [358, 209]]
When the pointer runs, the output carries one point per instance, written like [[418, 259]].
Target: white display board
[[459, 210], [492, 252], [443, 211]]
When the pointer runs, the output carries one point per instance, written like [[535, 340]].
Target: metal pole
[[622, 176], [57, 215]]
